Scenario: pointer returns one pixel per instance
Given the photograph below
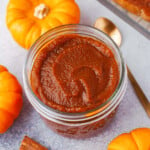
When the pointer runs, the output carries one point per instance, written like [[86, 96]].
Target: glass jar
[[75, 124]]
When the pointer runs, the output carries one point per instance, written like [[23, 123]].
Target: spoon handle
[[143, 99]]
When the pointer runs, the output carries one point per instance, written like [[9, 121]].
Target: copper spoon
[[111, 30]]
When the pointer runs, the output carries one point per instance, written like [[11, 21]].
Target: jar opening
[[81, 30]]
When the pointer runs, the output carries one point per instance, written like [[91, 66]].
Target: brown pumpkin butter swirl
[[74, 73]]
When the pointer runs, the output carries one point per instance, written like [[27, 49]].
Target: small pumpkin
[[28, 19], [137, 139], [10, 99]]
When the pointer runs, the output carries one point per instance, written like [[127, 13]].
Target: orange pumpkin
[[28, 19], [137, 139], [10, 99]]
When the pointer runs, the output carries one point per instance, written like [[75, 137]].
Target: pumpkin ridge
[[61, 9], [15, 81], [9, 76], [135, 134], [13, 100], [5, 111], [62, 13], [34, 2], [56, 19], [28, 34], [12, 4], [6, 75], [11, 10], [6, 123], [21, 41], [33, 22], [133, 140], [72, 17], [72, 1], [21, 19], [48, 22], [13, 20], [3, 72], [16, 9], [31, 3]]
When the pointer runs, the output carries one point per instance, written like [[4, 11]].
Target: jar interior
[[82, 31]]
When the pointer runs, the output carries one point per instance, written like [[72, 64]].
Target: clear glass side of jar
[[75, 124]]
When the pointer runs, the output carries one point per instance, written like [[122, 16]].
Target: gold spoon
[[111, 30]]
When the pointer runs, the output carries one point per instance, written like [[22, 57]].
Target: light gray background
[[136, 51]]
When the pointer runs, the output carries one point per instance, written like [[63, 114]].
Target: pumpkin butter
[[74, 73]]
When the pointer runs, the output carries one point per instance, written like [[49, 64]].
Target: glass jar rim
[[55, 112]]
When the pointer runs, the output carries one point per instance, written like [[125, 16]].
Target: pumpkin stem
[[41, 11]]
